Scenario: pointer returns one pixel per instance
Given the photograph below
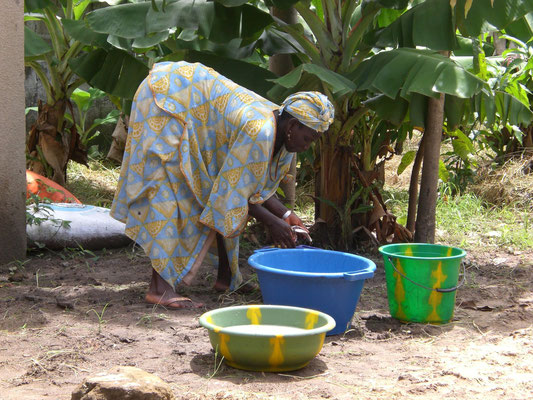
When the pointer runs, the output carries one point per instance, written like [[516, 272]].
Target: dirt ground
[[68, 315]]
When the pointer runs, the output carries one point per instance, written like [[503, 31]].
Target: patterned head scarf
[[313, 109]]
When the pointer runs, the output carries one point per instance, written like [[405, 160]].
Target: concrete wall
[[12, 134]]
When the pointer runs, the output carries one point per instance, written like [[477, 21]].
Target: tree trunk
[[281, 64], [120, 135], [500, 45], [45, 141], [427, 203], [413, 187], [51, 145], [334, 184], [527, 141]]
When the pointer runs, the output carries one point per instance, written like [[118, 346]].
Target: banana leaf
[[34, 5], [337, 83], [253, 77], [393, 110], [136, 20], [124, 20], [282, 4], [428, 24], [185, 14], [80, 31], [476, 17], [408, 71], [414, 110], [273, 41], [431, 24], [232, 3], [115, 72], [246, 22], [521, 29], [34, 46]]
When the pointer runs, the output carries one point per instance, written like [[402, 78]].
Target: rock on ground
[[123, 383]]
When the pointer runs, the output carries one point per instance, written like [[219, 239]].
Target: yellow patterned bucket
[[422, 281]]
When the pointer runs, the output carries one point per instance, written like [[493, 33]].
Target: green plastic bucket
[[422, 280]]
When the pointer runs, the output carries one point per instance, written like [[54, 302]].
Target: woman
[[202, 155]]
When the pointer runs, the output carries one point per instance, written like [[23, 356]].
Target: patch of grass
[[467, 221], [16, 266], [73, 253], [94, 184], [470, 280]]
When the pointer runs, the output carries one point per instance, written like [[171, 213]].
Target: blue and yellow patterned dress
[[199, 148]]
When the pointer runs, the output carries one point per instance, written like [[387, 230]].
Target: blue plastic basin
[[323, 280]]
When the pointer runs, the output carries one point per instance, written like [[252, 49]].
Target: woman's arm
[[276, 207]]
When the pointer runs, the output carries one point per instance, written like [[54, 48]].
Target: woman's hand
[[293, 220], [281, 233]]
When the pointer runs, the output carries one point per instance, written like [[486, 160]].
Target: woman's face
[[299, 137]]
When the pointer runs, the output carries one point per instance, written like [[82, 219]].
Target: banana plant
[[84, 100], [55, 139], [378, 61], [52, 141], [503, 107], [511, 74]]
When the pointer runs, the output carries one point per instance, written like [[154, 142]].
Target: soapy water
[[264, 330]]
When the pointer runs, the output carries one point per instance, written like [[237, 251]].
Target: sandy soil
[[65, 316]]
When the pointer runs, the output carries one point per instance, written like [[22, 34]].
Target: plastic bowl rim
[[383, 251], [365, 273], [330, 324]]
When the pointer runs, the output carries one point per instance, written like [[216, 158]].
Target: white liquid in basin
[[264, 329]]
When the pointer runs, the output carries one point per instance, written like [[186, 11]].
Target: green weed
[[470, 280], [72, 253], [17, 265], [100, 315], [396, 202], [216, 365], [148, 319]]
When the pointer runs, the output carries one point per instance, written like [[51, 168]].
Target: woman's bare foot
[[161, 293], [221, 286], [224, 272]]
